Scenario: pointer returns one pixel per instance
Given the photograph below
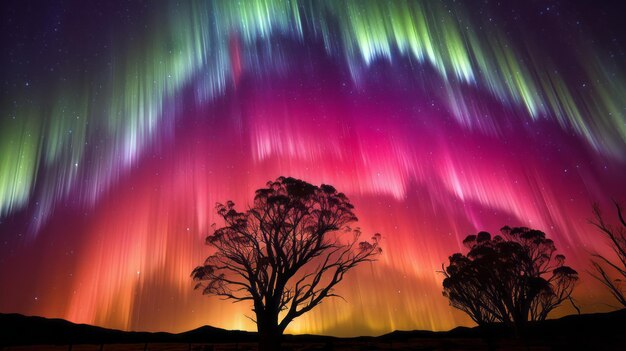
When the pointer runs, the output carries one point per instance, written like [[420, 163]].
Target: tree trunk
[[269, 341], [270, 334]]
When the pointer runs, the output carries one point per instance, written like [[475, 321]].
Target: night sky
[[122, 124]]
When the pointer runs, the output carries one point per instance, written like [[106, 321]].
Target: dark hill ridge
[[608, 329], [17, 329], [596, 325]]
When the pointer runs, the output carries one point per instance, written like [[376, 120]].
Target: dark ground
[[601, 331]]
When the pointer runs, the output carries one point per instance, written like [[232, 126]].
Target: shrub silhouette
[[617, 241], [512, 278], [285, 254]]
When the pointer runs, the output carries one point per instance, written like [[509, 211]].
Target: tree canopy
[[513, 277], [285, 253]]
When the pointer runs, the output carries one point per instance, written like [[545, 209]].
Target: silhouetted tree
[[511, 278], [285, 254], [617, 241]]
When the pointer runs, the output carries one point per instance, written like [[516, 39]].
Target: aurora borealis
[[123, 124]]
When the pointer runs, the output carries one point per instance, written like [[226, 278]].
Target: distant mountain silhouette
[[17, 329], [610, 325], [606, 330]]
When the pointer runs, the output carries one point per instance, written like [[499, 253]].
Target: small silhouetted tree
[[602, 265], [285, 253], [512, 278]]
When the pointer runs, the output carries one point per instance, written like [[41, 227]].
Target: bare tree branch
[[615, 282]]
